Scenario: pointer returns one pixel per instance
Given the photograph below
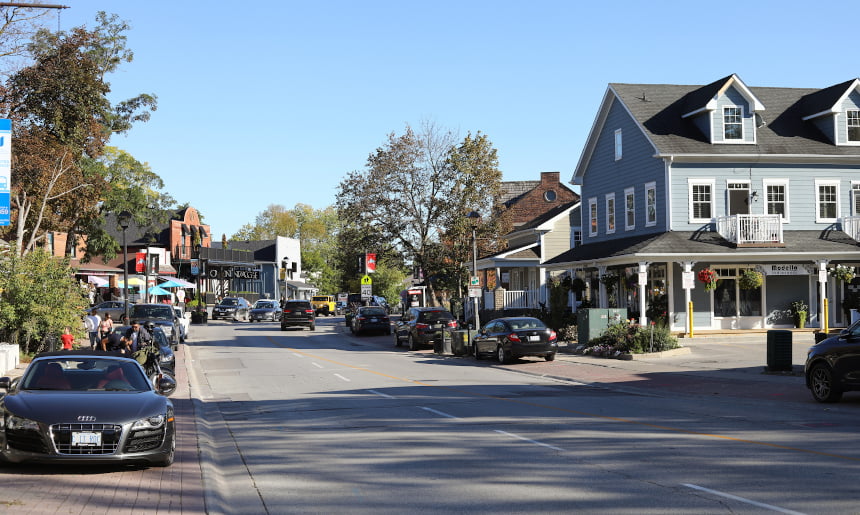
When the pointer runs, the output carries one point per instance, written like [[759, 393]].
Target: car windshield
[[229, 302], [264, 304], [526, 323], [156, 312], [436, 316], [373, 311], [320, 299], [298, 305], [84, 374]]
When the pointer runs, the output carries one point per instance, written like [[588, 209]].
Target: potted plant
[[799, 310], [709, 278], [750, 279]]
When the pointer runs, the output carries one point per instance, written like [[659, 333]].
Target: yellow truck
[[324, 305]]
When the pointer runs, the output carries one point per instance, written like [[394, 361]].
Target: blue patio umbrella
[[157, 290], [170, 284]]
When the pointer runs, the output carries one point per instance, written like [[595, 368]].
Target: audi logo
[[86, 418]]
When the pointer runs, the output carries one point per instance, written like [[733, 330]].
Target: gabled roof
[[828, 100], [705, 98], [659, 111], [549, 217]]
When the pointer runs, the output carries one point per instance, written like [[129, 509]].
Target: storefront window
[[730, 300]]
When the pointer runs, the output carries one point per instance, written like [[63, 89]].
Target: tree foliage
[[414, 194], [39, 298]]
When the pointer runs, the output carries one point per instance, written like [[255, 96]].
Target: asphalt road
[[325, 422]]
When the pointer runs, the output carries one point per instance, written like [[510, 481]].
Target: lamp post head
[[124, 220], [474, 217]]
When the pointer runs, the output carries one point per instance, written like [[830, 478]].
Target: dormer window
[[853, 125], [733, 128]]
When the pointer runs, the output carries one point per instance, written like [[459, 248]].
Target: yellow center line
[[575, 412]]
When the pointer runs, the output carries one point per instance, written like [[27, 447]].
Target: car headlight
[[20, 423], [153, 422]]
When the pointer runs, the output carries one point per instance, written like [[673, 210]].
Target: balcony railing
[[751, 230], [521, 299], [851, 227]]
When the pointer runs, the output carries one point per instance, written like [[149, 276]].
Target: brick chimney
[[550, 178]]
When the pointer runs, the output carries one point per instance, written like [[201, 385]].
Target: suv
[[234, 308], [161, 315], [298, 312], [423, 326], [323, 305]]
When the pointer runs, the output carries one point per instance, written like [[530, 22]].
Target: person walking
[[106, 326], [92, 323]]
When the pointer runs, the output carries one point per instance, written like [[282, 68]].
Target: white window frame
[[618, 145], [818, 184], [629, 209], [576, 238], [701, 182], [650, 186], [593, 227], [849, 125], [740, 123], [786, 217], [740, 185], [610, 213], [855, 198]]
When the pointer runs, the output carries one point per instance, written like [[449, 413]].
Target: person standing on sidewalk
[[92, 323], [67, 338]]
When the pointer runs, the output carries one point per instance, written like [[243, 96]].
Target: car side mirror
[[5, 382]]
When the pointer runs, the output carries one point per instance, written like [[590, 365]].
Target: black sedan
[[233, 308], [833, 365], [370, 318], [265, 310], [513, 337], [85, 407]]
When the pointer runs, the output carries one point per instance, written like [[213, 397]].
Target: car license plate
[[534, 338], [86, 439], [374, 320]]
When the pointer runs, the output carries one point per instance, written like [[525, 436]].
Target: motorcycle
[[162, 378]]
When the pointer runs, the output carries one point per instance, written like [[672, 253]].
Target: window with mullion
[[853, 124], [629, 209], [733, 123], [827, 202], [702, 201], [776, 199]]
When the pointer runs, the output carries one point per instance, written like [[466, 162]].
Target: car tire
[[412, 344], [502, 355], [168, 459], [312, 327], [283, 327], [822, 384], [550, 357], [397, 342], [478, 355]]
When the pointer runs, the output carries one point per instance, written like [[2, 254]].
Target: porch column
[[822, 291], [643, 280], [571, 297], [603, 298], [688, 285], [544, 293]]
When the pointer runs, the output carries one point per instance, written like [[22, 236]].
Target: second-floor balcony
[[751, 230], [851, 227]]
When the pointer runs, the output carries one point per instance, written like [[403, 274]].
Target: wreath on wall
[[709, 278]]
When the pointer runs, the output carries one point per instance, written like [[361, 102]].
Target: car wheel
[[502, 355], [412, 344], [397, 342], [168, 458], [283, 327], [822, 385], [477, 354], [312, 327], [550, 357]]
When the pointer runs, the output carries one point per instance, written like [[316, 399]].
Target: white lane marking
[[316, 364], [529, 440], [741, 499], [440, 413], [341, 377], [297, 355], [382, 394]]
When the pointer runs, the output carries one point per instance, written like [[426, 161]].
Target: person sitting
[[53, 378], [136, 336], [114, 373]]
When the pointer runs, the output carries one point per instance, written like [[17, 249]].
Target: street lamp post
[[473, 217], [124, 220]]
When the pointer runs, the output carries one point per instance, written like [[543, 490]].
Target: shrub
[[630, 338]]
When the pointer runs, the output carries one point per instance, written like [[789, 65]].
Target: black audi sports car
[[85, 407]]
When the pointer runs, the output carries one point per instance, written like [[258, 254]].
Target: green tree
[[40, 297]]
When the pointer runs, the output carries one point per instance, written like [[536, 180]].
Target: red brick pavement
[[115, 490]]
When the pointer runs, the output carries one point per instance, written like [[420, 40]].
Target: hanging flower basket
[[842, 272], [577, 285], [610, 281], [709, 278], [750, 279]]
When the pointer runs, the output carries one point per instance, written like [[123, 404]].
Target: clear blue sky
[[273, 102]]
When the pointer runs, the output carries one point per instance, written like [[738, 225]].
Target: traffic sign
[[474, 292], [366, 291], [366, 280], [475, 281]]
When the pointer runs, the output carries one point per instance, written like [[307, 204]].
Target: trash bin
[[461, 343], [779, 350]]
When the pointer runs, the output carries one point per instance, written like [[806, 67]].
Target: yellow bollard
[[824, 323], [690, 317]]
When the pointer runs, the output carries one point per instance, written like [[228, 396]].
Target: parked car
[[233, 308], [298, 312], [514, 337], [85, 407], [265, 309], [421, 327], [340, 307], [116, 308], [161, 315], [324, 305], [371, 318], [833, 365], [184, 319]]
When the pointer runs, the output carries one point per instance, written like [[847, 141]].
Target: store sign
[[233, 273], [784, 269]]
